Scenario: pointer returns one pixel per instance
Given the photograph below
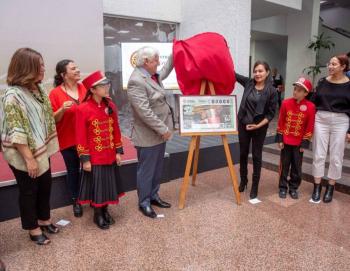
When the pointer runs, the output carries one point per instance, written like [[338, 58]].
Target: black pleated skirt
[[101, 186]]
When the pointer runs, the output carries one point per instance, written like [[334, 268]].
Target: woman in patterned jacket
[[29, 138]]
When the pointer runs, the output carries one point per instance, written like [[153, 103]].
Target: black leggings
[[257, 137], [34, 197]]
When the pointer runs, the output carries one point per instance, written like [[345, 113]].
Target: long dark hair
[[267, 68], [104, 100], [61, 67]]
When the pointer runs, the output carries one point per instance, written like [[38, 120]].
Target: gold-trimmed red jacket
[[296, 122], [98, 134]]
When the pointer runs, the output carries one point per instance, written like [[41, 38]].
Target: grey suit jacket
[[151, 112]]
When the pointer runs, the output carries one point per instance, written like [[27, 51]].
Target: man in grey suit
[[152, 125]]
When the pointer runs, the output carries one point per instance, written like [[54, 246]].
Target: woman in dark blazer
[[257, 109]]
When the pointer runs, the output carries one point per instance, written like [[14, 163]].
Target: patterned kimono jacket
[[27, 118]]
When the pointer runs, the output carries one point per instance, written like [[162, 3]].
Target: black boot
[[99, 219], [243, 184], [328, 195], [106, 215], [77, 209], [254, 189], [316, 194]]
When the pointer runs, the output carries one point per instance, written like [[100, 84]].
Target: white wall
[[166, 10], [301, 28], [231, 18], [58, 29], [274, 52], [342, 45], [274, 25], [288, 3], [336, 17]]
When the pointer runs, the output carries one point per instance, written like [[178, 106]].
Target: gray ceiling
[[335, 3], [263, 9]]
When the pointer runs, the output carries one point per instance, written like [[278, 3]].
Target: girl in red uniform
[[99, 148]]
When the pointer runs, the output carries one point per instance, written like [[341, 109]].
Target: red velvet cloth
[[205, 56]]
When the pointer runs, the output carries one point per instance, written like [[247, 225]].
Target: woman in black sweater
[[257, 109], [332, 127]]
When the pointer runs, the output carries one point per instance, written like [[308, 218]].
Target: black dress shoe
[[160, 203], [77, 209], [293, 194], [99, 219], [107, 217], [148, 211], [282, 194]]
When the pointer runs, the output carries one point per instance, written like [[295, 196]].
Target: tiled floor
[[211, 233]]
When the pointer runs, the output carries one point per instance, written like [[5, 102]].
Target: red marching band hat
[[94, 79], [304, 83]]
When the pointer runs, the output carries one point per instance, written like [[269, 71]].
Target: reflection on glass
[[116, 31]]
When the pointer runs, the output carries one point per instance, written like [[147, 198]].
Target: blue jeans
[[72, 162], [149, 172]]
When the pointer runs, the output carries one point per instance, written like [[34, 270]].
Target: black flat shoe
[[293, 194], [160, 203], [49, 228], [282, 194], [40, 239], [148, 211], [77, 209], [107, 217]]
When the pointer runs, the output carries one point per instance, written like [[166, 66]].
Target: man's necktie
[[154, 78]]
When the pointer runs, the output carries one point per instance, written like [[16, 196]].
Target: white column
[[230, 18], [301, 28]]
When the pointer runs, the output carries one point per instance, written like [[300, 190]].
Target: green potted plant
[[320, 42]]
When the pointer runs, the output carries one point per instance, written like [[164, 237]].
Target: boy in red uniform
[[99, 148], [294, 132]]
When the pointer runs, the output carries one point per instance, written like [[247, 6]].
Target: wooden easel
[[193, 152]]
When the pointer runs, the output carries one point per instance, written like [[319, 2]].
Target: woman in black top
[[257, 109], [332, 100]]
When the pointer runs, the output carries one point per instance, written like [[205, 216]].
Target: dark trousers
[[72, 162], [34, 197], [291, 160], [257, 137], [279, 97], [149, 172]]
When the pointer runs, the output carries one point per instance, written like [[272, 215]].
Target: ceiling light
[[139, 24], [135, 39], [109, 38], [123, 31]]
